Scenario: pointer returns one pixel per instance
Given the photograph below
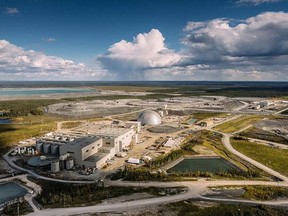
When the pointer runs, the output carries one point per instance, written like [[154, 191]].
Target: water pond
[[10, 191], [202, 164]]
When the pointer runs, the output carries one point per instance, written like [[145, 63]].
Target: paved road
[[195, 189], [227, 144]]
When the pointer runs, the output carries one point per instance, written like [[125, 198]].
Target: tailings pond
[[10, 191], [202, 164]]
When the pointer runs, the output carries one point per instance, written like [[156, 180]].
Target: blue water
[[44, 91], [10, 191], [5, 121]]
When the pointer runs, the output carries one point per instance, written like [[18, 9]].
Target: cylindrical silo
[[39, 147], [55, 149], [69, 163], [55, 166], [46, 148]]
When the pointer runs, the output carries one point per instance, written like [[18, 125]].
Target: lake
[[43, 91]]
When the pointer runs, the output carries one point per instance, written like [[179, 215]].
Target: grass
[[263, 135], [201, 116], [237, 124], [71, 124], [274, 158], [26, 127], [265, 192]]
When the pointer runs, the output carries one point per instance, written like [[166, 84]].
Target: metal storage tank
[[55, 149], [46, 148], [55, 166], [149, 117], [69, 163], [39, 147]]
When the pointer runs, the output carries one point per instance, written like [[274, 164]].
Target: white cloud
[[256, 2], [129, 60], [219, 49], [11, 11], [17, 63], [50, 39], [258, 43]]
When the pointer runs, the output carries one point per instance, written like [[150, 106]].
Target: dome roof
[[149, 117]]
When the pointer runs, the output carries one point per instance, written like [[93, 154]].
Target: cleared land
[[263, 135], [274, 158], [237, 124]]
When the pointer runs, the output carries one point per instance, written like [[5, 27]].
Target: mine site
[[183, 144]]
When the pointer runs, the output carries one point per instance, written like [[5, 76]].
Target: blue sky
[[72, 39]]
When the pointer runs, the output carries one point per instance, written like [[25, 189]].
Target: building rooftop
[[96, 157], [83, 141], [111, 131]]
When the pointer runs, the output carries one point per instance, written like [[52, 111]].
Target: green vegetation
[[185, 149], [130, 173], [56, 194], [274, 158], [265, 192], [201, 116], [264, 135], [116, 97], [24, 208], [23, 128], [165, 159], [188, 208], [15, 108], [237, 124], [285, 112], [70, 124], [213, 141]]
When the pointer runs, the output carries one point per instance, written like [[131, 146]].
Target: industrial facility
[[87, 150]]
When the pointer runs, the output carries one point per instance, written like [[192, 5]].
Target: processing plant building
[[91, 150]]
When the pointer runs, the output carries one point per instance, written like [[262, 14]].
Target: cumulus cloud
[[219, 49], [17, 63], [130, 60], [258, 43], [11, 11], [256, 2]]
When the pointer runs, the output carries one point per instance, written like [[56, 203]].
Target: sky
[[119, 40]]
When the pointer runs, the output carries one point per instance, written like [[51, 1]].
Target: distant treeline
[[15, 108]]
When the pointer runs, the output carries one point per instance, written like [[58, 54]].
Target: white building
[[95, 150]]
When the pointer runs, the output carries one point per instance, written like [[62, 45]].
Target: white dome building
[[149, 117]]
